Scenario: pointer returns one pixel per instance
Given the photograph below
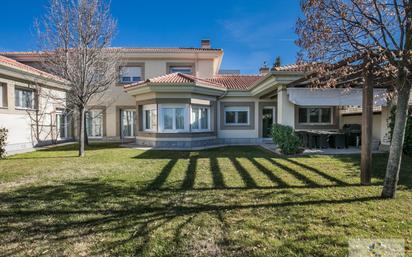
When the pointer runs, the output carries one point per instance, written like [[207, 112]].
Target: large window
[[62, 125], [200, 118], [173, 118], [24, 98], [185, 69], [315, 115], [128, 123], [94, 123], [130, 74], [236, 115], [150, 117]]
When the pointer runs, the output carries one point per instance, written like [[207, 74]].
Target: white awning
[[333, 96]]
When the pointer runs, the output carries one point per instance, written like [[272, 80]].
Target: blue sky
[[249, 32]]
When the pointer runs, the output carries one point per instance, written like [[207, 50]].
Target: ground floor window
[[315, 115], [94, 123], [237, 115], [150, 117], [62, 125], [24, 98], [128, 122], [200, 118], [173, 118]]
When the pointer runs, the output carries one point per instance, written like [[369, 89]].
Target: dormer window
[[130, 74]]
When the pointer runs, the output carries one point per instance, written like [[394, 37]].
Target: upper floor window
[[315, 115], [24, 98], [3, 95], [237, 115], [185, 69], [129, 74]]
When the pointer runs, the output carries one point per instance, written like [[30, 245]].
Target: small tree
[[381, 30], [277, 62], [75, 36]]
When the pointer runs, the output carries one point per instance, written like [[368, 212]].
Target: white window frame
[[199, 107], [121, 74], [320, 115], [174, 107], [62, 113], [150, 108], [181, 67], [133, 129], [3, 94], [100, 112], [237, 109], [18, 105]]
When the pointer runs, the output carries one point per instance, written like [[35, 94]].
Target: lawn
[[232, 201]]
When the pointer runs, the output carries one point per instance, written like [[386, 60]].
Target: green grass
[[233, 201]]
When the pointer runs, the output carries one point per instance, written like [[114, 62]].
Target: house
[[177, 98], [32, 106]]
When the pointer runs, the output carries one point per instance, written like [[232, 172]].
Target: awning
[[333, 96]]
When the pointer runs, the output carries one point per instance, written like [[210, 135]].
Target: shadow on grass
[[87, 208]]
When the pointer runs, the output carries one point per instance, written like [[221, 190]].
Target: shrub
[[286, 139], [3, 139], [407, 144]]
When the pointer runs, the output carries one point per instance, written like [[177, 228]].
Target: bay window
[[315, 115], [94, 123], [173, 118], [236, 115], [127, 123], [24, 98], [200, 118], [3, 95], [150, 117]]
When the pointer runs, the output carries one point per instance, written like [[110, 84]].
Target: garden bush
[[407, 145], [286, 139], [3, 139]]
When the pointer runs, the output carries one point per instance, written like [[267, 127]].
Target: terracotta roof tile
[[236, 81], [176, 79], [292, 67], [23, 67]]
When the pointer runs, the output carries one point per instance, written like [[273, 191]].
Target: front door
[[268, 118]]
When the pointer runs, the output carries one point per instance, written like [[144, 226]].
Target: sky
[[250, 32]]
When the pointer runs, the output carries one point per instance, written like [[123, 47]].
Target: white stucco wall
[[286, 109]]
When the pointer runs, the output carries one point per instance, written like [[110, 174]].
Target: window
[[185, 69], [150, 117], [236, 115], [127, 123], [94, 123], [173, 118], [24, 98], [61, 125], [130, 74], [200, 118], [3, 95], [313, 115]]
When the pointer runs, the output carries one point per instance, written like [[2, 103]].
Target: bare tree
[[334, 30], [75, 37]]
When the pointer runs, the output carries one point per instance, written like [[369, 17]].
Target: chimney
[[264, 69], [205, 43]]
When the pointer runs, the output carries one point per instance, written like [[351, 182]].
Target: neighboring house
[[176, 97], [32, 106]]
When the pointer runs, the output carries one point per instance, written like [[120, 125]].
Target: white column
[[285, 108]]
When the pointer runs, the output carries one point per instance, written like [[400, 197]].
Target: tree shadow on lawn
[[53, 217]]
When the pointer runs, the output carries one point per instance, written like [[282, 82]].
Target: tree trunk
[[81, 131], [86, 137], [396, 148], [367, 119]]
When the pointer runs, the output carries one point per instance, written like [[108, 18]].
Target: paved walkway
[[324, 151]]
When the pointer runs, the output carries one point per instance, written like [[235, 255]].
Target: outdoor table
[[321, 138]]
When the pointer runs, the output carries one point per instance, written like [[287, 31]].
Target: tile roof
[[23, 67], [292, 67], [236, 81], [134, 50], [176, 79]]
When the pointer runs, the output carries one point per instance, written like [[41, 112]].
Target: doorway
[[268, 119]]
